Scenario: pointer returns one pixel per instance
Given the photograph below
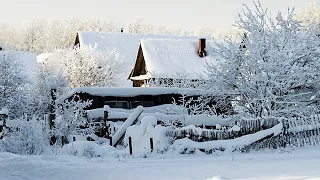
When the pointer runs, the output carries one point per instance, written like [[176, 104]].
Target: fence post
[[4, 116], [62, 141], [130, 145], [151, 144], [110, 140], [105, 129], [52, 114], [285, 125], [74, 139]]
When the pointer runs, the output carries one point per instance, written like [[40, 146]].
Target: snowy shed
[[126, 43], [171, 59]]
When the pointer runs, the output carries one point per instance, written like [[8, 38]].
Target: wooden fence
[[202, 135], [296, 132], [302, 131]]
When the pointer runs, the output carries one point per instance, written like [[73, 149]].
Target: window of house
[[142, 103], [117, 104]]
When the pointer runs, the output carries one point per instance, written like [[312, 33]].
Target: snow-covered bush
[[87, 149], [275, 70], [27, 137]]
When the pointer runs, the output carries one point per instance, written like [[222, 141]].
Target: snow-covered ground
[[299, 164]]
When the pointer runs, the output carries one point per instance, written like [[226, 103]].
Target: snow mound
[[87, 149], [218, 178], [140, 136]]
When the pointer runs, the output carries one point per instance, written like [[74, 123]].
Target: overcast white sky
[[184, 14]]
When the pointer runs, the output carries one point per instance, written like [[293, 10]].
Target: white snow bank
[[120, 132], [228, 145], [87, 149]]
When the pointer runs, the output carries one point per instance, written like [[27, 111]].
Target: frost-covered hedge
[[27, 137]]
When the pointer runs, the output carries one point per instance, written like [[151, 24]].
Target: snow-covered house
[[172, 59], [126, 43]]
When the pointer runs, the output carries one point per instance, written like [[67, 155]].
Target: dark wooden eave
[[77, 41], [139, 67]]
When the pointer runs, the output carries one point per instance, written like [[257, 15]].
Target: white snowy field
[[299, 164]]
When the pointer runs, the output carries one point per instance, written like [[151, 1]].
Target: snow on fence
[[296, 132], [243, 127], [188, 146], [302, 131]]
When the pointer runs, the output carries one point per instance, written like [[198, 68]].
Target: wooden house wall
[[100, 101]]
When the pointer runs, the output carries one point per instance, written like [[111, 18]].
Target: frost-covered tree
[[275, 70], [70, 118], [310, 14], [13, 84], [87, 66], [49, 76], [46, 35]]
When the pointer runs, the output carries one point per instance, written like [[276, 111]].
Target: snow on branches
[[70, 118], [276, 68], [87, 66], [13, 83]]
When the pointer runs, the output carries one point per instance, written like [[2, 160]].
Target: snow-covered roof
[[27, 59], [126, 43], [134, 91], [168, 58]]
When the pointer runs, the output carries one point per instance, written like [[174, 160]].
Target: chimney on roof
[[121, 30], [202, 47]]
